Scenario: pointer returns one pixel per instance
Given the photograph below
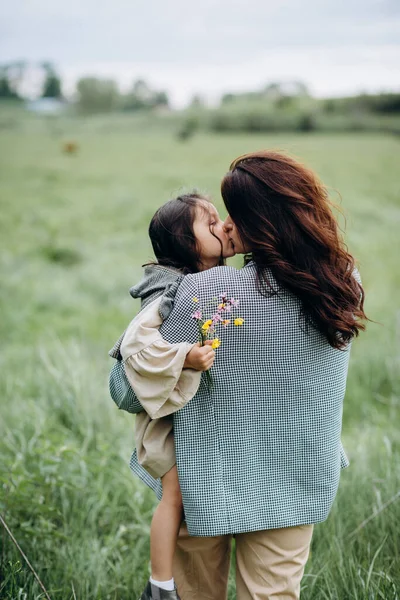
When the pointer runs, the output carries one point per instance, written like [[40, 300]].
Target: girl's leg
[[201, 566], [165, 527]]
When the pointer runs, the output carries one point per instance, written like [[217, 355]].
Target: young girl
[[187, 236]]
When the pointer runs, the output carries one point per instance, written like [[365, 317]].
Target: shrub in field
[[188, 128], [251, 120], [63, 256]]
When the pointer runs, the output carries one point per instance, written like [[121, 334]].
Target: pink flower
[[197, 315]]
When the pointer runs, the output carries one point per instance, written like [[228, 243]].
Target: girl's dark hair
[[171, 233], [284, 217]]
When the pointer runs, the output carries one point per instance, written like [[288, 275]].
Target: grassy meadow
[[73, 232]]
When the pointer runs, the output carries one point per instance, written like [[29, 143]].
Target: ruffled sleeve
[[154, 367]]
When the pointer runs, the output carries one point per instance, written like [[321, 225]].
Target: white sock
[[164, 585]]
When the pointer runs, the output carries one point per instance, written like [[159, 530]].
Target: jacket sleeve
[[121, 391], [154, 367]]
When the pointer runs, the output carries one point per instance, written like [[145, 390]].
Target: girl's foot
[[153, 592]]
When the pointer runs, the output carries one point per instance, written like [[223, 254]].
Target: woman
[[259, 454]]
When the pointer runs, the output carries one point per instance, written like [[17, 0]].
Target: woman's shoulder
[[216, 274]]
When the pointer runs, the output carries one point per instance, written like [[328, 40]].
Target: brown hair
[[172, 236], [283, 215]]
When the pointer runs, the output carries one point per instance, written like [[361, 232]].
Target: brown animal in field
[[70, 147]]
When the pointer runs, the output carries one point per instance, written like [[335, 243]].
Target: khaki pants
[[269, 564]]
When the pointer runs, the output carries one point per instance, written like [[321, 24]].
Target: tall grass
[[74, 236]]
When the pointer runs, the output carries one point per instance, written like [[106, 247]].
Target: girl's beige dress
[[155, 371]]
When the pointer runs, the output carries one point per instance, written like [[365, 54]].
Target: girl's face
[[231, 231], [212, 240]]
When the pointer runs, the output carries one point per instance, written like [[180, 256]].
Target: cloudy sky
[[212, 46]]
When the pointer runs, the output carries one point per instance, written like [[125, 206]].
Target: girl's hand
[[200, 358]]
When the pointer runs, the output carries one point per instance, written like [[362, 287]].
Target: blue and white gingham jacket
[[261, 449]]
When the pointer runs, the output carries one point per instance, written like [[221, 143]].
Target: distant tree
[[382, 103], [197, 101], [5, 89], [285, 94], [11, 79], [97, 95], [139, 96], [143, 97], [284, 101], [132, 102], [142, 90], [329, 105], [160, 99], [273, 91], [307, 123], [52, 83], [227, 98]]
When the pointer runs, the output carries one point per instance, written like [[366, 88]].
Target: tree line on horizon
[[278, 106], [93, 94]]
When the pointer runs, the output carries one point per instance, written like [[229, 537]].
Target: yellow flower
[[206, 325], [215, 344], [239, 321], [221, 306], [226, 322], [195, 299]]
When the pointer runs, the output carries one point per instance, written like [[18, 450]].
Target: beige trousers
[[269, 564]]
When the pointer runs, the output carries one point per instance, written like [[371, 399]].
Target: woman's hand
[[200, 358]]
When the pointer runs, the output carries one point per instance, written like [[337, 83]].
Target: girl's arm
[[164, 376], [123, 394]]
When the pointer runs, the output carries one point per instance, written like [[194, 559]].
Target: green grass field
[[74, 235]]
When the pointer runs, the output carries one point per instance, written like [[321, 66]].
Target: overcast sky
[[212, 46]]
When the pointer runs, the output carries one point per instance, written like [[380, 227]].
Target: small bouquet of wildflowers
[[222, 317]]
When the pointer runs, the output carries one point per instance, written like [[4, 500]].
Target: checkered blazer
[[261, 449]]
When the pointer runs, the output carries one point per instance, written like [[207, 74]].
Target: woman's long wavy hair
[[283, 216]]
